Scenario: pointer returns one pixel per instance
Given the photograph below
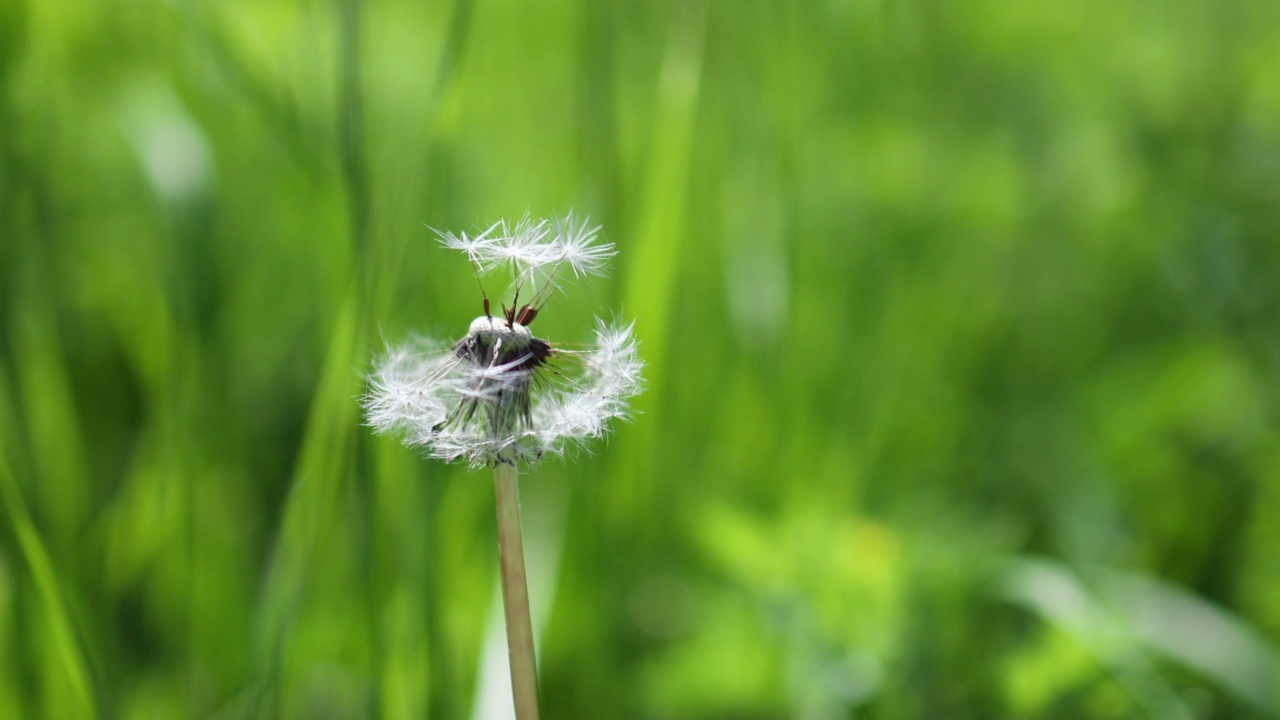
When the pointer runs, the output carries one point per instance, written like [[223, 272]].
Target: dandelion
[[502, 394], [503, 397]]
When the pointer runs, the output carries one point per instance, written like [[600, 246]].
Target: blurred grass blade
[[287, 122], [317, 480], [33, 551], [52, 419], [1053, 592], [1197, 634], [654, 262]]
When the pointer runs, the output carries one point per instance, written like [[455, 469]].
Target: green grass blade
[[37, 558], [317, 481]]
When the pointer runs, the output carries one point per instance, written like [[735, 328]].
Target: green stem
[[515, 594]]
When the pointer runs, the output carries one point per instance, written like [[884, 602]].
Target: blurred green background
[[961, 321]]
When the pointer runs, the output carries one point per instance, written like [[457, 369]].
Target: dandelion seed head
[[500, 393]]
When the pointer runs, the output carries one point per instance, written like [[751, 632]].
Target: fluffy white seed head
[[456, 409], [501, 394]]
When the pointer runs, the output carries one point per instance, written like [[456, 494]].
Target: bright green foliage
[[962, 322]]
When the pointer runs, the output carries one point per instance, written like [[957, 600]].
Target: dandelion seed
[[502, 394]]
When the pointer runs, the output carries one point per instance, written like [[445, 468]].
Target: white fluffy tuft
[[454, 403]]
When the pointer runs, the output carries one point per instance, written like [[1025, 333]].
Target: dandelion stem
[[515, 594]]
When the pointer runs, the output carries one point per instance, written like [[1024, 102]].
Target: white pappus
[[501, 394]]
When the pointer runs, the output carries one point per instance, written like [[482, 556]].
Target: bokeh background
[[961, 321]]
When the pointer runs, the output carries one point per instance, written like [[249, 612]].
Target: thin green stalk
[[515, 594], [65, 641]]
